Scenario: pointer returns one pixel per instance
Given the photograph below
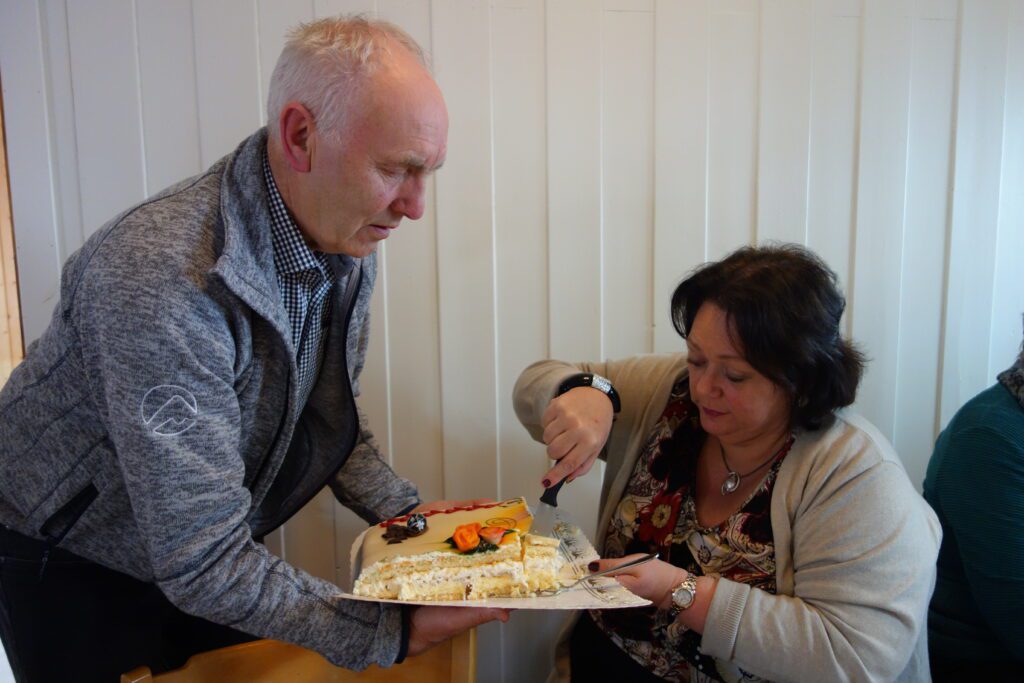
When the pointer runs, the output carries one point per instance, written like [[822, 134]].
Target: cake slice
[[465, 553]]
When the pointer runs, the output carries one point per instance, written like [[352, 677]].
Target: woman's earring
[[801, 402]]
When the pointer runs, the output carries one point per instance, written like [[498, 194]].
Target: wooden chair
[[271, 661]]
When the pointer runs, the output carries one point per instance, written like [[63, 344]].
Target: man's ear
[[296, 128]]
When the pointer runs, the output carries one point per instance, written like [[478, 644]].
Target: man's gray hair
[[325, 62]]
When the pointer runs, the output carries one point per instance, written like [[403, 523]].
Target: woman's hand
[[576, 427], [654, 580]]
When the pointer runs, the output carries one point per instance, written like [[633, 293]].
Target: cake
[[459, 554]]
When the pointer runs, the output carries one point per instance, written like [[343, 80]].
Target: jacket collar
[[247, 263]]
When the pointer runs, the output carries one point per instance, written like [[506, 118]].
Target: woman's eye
[[695, 363], [735, 379]]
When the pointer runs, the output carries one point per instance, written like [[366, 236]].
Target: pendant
[[731, 483]]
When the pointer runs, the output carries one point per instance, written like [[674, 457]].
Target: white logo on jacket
[[169, 410]]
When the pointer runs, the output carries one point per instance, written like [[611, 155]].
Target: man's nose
[[411, 202]]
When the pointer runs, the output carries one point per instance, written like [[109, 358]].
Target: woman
[[974, 625], [791, 540]]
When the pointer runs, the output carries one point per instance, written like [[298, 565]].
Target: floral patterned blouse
[[657, 514]]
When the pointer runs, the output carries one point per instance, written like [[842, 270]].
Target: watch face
[[682, 597]]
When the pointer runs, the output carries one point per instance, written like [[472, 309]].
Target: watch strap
[[589, 379], [690, 584]]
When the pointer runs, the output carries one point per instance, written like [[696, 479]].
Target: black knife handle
[[550, 495]]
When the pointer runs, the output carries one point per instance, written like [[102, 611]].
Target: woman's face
[[737, 403]]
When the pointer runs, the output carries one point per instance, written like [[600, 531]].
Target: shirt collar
[[291, 253]]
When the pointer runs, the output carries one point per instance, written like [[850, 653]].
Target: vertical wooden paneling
[[273, 19], [833, 134], [785, 109], [598, 151], [167, 77], [327, 8], [104, 71], [413, 340], [574, 178], [63, 131], [521, 239], [228, 90], [29, 158], [1008, 291], [465, 249], [680, 153], [465, 261], [922, 271], [732, 125], [881, 189], [980, 105], [627, 59]]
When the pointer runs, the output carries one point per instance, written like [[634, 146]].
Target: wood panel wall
[[599, 149]]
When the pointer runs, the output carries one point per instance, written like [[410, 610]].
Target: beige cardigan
[[855, 545]]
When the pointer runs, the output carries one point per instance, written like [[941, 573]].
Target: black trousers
[[74, 620], [593, 657]]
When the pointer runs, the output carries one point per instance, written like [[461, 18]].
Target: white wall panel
[[627, 189], [732, 125], [680, 153], [598, 151], [1008, 292], [273, 18], [574, 178], [521, 241], [926, 208], [167, 83], [832, 156], [980, 107], [228, 82], [31, 166], [104, 68], [785, 109], [881, 188]]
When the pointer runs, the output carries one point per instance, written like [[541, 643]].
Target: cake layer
[[466, 553]]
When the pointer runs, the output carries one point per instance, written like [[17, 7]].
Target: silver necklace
[[733, 479]]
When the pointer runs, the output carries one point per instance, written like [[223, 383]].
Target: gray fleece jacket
[[155, 427]]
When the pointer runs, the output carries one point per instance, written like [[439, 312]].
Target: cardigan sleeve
[[989, 467], [863, 547]]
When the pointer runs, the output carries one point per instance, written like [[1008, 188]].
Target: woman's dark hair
[[783, 305]]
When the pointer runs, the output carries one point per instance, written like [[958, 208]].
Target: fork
[[606, 572]]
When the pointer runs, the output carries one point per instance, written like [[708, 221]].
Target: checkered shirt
[[305, 278]]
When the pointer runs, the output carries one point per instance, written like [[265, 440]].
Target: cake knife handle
[[625, 565], [550, 495]]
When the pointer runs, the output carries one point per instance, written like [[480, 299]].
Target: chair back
[[271, 661]]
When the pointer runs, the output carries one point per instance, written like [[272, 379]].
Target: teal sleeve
[[982, 494]]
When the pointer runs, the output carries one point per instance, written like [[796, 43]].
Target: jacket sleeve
[[366, 484], [160, 354], [636, 379], [989, 467], [863, 552]]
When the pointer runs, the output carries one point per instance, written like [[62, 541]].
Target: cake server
[[546, 518]]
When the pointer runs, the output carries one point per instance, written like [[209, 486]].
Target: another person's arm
[[983, 504]]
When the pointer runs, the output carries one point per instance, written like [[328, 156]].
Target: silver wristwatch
[[683, 596]]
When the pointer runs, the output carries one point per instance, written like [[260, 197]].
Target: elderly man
[[196, 387]]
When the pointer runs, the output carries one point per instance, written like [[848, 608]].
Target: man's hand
[[576, 427], [449, 504], [432, 625]]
